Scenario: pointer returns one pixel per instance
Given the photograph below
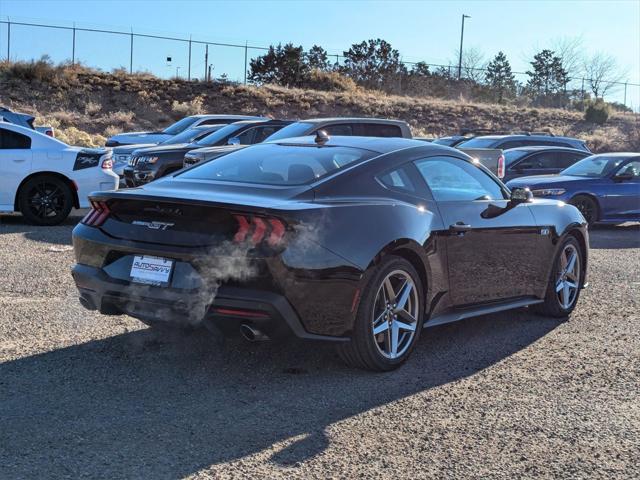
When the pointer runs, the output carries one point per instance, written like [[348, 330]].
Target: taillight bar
[[259, 229], [98, 214]]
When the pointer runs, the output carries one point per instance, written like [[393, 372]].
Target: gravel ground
[[503, 396]]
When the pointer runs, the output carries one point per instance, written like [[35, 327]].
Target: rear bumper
[[232, 306]]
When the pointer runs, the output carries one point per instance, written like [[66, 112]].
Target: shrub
[[329, 81], [184, 109], [597, 112]]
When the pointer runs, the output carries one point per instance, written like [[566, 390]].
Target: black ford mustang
[[357, 241]]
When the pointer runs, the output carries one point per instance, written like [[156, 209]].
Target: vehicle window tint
[[13, 140], [632, 168], [543, 160], [453, 179], [381, 130], [567, 159], [398, 179], [216, 121], [246, 137], [342, 129], [263, 132], [510, 144]]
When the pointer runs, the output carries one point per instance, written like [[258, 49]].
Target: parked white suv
[[43, 178]]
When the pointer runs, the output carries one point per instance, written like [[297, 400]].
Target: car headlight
[[122, 158], [548, 192]]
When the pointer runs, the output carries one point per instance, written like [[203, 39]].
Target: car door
[[623, 199], [491, 244], [15, 164]]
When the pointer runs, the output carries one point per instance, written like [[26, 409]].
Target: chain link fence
[[196, 59]]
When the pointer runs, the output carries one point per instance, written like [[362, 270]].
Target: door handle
[[18, 160], [460, 227]]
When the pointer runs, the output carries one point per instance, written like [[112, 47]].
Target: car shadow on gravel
[[615, 236], [144, 405], [59, 234]]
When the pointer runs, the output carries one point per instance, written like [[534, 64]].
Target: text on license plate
[[148, 269]]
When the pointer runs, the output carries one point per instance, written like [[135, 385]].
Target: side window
[[341, 129], [264, 132], [566, 159], [13, 140], [216, 121], [452, 179], [510, 144], [398, 179], [246, 137], [529, 163], [380, 130], [631, 167]]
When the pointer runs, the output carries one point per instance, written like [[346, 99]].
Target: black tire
[[45, 200], [587, 206], [552, 305], [365, 350]]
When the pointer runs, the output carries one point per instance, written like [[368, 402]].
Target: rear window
[[297, 129], [274, 164]]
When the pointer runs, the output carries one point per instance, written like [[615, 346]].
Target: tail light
[[501, 166], [107, 164], [259, 229], [98, 214]]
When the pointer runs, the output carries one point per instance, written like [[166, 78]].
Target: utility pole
[[246, 47], [189, 68], [209, 73], [206, 62], [177, 72], [131, 54], [8, 40], [73, 49], [461, 40], [625, 94]]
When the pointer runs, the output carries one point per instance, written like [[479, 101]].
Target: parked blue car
[[605, 187]]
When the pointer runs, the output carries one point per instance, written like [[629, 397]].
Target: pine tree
[[280, 65], [317, 58], [500, 78], [548, 78]]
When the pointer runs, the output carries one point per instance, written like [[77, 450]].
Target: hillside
[[86, 106]]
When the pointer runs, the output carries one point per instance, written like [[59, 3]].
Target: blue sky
[[420, 30]]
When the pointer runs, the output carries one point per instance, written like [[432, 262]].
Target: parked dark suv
[[147, 164], [527, 161], [506, 142]]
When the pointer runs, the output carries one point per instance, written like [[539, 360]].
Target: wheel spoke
[[559, 285], [407, 317], [394, 337], [407, 288], [390, 295], [380, 324], [411, 327], [571, 263]]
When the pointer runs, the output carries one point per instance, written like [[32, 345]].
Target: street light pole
[[461, 39]]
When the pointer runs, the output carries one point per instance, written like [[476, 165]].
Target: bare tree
[[473, 64], [602, 71], [570, 50]]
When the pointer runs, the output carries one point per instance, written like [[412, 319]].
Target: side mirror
[[233, 141], [521, 195]]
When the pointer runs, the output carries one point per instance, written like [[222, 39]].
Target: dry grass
[[102, 104]]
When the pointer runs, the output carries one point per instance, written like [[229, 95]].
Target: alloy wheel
[[568, 277], [588, 210], [395, 314], [46, 200]]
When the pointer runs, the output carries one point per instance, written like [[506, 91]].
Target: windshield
[[446, 141], [190, 134], [273, 164], [297, 129], [180, 126], [594, 166], [478, 142], [511, 156], [219, 136]]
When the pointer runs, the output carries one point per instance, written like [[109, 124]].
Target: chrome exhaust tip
[[252, 334]]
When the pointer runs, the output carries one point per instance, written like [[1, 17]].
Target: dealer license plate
[[151, 270]]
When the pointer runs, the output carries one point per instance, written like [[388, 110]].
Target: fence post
[[625, 93], [8, 40], [582, 90], [131, 54], [73, 48], [245, 61], [189, 67]]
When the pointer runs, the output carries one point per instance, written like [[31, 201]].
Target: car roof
[[618, 154], [239, 117], [537, 148], [352, 120], [521, 136], [263, 121], [374, 144]]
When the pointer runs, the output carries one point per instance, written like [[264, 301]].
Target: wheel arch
[[67, 180], [592, 197], [410, 251]]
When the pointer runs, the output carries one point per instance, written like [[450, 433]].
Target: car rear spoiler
[[491, 158]]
